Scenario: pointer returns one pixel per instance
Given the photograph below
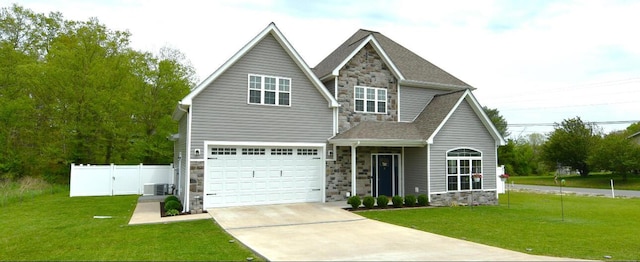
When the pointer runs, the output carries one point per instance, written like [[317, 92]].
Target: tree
[[498, 121], [570, 144], [616, 153], [74, 91], [521, 156]]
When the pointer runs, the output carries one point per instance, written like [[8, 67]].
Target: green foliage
[[523, 156], [570, 144], [616, 153], [172, 204], [171, 197], [69, 233], [423, 200], [594, 180], [172, 212], [397, 201], [410, 200], [382, 201], [368, 202], [75, 92], [354, 201], [498, 120], [534, 221]]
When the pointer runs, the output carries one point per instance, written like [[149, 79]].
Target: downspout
[[429, 172], [187, 171], [353, 168], [335, 110]]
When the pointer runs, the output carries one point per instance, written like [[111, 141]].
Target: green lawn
[[593, 227], [594, 180], [57, 227]]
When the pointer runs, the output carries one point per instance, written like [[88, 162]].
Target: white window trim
[[375, 100], [262, 90], [458, 174]]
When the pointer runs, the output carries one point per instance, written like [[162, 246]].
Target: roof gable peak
[[273, 30]]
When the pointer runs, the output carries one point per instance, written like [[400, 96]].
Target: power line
[[616, 122]]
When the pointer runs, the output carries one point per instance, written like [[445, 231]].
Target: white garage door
[[237, 176]]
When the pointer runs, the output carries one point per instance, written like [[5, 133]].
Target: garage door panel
[[267, 175]]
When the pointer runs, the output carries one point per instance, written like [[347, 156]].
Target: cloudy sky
[[537, 62]]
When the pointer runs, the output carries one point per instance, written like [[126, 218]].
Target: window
[[281, 151], [253, 151], [269, 90], [461, 164], [308, 152], [370, 99], [223, 151]]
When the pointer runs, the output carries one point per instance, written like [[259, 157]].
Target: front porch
[[378, 171]]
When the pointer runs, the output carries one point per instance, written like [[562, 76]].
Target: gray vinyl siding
[[221, 111], [330, 85], [181, 146], [464, 129], [415, 170], [413, 100]]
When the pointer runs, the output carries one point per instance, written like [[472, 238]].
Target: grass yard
[[594, 180], [57, 227], [593, 227]]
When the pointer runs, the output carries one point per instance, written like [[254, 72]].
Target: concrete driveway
[[325, 232]]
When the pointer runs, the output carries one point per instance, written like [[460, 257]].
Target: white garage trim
[[210, 168]]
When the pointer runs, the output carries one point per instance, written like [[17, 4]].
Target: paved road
[[582, 191]]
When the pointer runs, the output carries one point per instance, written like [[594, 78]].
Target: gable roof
[[407, 66], [422, 130], [275, 32]]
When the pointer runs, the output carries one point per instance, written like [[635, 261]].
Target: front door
[[385, 175]]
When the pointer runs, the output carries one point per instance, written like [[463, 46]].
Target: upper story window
[[370, 99], [269, 90]]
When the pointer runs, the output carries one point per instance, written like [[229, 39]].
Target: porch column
[[353, 169]]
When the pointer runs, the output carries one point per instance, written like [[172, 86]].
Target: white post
[[613, 195], [353, 170], [112, 172]]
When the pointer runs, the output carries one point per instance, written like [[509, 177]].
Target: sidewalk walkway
[[149, 213]]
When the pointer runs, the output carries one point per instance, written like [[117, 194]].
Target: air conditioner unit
[[161, 189], [156, 189], [149, 189]]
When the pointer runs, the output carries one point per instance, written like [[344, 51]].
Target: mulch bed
[[163, 213], [376, 208]]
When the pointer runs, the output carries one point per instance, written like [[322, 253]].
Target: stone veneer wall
[[366, 68], [196, 185], [339, 171], [464, 198]]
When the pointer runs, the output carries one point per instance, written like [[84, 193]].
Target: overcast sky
[[535, 61]]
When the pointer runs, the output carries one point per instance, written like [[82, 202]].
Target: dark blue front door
[[385, 175]]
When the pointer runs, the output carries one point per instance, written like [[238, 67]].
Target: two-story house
[[373, 118]]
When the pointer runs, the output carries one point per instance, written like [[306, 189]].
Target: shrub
[[171, 197], [172, 212], [423, 200], [397, 201], [409, 200], [172, 204], [354, 201], [383, 201], [368, 202]]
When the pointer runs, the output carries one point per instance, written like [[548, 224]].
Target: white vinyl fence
[[499, 183], [111, 180]]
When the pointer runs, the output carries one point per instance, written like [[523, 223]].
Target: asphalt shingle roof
[[421, 129], [411, 66]]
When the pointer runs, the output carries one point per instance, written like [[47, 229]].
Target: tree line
[[76, 92], [573, 143]]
